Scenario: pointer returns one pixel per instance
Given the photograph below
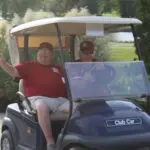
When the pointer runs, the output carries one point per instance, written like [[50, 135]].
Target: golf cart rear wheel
[[7, 141]]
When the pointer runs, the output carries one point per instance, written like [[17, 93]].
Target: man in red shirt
[[86, 52], [43, 84]]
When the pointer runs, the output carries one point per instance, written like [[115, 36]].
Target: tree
[[108, 6], [62, 6], [92, 6], [56, 6], [6, 82], [127, 8], [4, 8], [143, 13], [9, 7]]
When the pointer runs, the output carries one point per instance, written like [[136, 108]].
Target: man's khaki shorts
[[54, 104]]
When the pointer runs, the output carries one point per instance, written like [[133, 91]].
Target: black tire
[[146, 148], [7, 139], [76, 148]]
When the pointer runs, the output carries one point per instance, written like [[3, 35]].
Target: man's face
[[85, 57], [44, 56]]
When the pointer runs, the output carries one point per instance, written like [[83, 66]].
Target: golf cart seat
[[29, 109]]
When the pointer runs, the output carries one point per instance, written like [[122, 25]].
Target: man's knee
[[65, 107], [41, 107]]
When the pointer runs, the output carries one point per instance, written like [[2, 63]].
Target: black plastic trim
[[135, 140]]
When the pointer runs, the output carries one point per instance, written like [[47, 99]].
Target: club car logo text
[[123, 122]]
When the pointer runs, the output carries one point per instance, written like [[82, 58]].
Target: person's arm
[[12, 71], [61, 71]]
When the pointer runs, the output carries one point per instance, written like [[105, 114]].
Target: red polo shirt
[[41, 80], [93, 60]]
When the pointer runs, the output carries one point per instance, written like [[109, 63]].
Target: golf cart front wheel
[[7, 141], [145, 148], [76, 148]]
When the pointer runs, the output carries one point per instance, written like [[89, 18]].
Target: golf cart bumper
[[136, 140]]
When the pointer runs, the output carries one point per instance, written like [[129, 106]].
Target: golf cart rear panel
[[23, 127]]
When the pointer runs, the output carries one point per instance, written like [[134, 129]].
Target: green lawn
[[122, 51]]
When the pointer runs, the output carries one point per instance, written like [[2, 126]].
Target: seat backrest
[[24, 102], [21, 88]]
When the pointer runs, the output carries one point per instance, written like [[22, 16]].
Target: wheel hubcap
[[5, 144]]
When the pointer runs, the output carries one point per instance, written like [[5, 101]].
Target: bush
[[11, 87], [102, 49], [6, 82], [78, 12], [31, 15]]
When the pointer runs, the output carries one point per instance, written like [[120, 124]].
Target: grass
[[125, 52], [122, 51]]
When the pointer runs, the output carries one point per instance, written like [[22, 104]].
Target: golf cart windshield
[[106, 80]]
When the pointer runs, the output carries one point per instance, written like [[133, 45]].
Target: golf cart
[[106, 117]]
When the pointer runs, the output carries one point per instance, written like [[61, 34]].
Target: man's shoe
[[51, 147]]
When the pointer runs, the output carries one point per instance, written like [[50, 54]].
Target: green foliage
[[112, 14], [78, 12], [16, 20], [4, 77], [4, 50], [6, 82], [11, 87], [42, 14], [31, 15], [97, 7], [127, 8], [92, 6], [122, 51], [141, 103], [4, 8], [3, 30], [9, 7], [144, 30], [57, 57], [59, 6], [108, 6], [102, 49]]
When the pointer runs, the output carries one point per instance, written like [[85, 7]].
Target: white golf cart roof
[[71, 25], [47, 30]]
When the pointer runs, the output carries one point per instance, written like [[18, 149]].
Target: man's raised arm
[[12, 71]]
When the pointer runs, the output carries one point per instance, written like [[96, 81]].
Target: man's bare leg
[[44, 121]]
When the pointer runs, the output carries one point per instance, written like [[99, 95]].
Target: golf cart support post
[[138, 51], [26, 52]]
